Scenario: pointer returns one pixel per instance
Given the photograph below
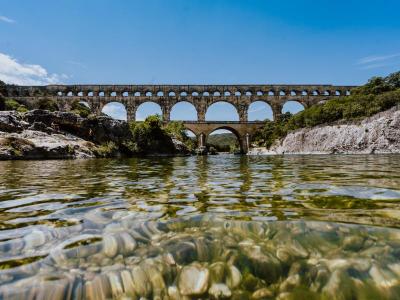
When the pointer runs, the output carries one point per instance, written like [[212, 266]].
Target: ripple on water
[[130, 227]]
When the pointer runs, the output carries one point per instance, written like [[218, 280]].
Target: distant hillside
[[222, 142]]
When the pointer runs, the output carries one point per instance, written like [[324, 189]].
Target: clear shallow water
[[209, 227]]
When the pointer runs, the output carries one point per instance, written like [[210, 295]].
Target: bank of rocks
[[41, 134], [377, 134]]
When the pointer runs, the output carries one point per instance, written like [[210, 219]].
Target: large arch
[[147, 109], [222, 111], [292, 107], [260, 111], [183, 111], [115, 110], [223, 130]]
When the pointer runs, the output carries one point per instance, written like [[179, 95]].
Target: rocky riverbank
[[41, 134], [377, 134]]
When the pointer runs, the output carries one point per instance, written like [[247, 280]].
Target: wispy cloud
[[378, 61], [77, 64], [376, 58], [374, 66], [7, 20], [14, 72]]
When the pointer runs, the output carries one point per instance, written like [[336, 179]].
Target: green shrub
[[47, 104], [150, 137], [80, 109], [105, 150], [11, 104], [177, 130]]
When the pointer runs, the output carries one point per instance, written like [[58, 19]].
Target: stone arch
[[260, 110], [184, 108], [230, 129], [115, 110], [218, 110], [146, 109], [293, 107]]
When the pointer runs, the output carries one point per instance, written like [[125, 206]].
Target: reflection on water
[[209, 227]]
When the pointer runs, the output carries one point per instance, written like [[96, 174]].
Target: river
[[223, 226]]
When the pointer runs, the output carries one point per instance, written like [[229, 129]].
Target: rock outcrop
[[377, 134], [41, 134]]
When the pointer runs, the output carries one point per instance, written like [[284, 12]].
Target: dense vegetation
[[151, 136], [379, 94], [223, 142]]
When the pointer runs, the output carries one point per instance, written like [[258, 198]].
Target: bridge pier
[[166, 113], [131, 113]]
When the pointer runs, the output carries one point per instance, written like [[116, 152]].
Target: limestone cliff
[[377, 134]]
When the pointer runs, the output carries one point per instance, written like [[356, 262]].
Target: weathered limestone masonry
[[201, 96]]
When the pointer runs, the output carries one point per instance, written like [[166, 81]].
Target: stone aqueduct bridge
[[201, 96]]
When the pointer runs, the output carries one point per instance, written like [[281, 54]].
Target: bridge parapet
[[201, 96]]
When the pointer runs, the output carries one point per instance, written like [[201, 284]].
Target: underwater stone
[[173, 293], [35, 239], [155, 277], [110, 246], [127, 282], [383, 278], [217, 272], [140, 281], [234, 277], [262, 293], [193, 280], [219, 291], [116, 284], [129, 243], [353, 243]]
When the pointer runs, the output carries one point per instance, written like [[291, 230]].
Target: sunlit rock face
[[378, 134]]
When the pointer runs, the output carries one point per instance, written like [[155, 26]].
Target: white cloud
[[7, 20], [14, 72]]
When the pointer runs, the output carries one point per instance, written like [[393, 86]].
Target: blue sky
[[198, 41]]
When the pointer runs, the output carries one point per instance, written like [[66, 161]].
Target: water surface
[[251, 227]]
